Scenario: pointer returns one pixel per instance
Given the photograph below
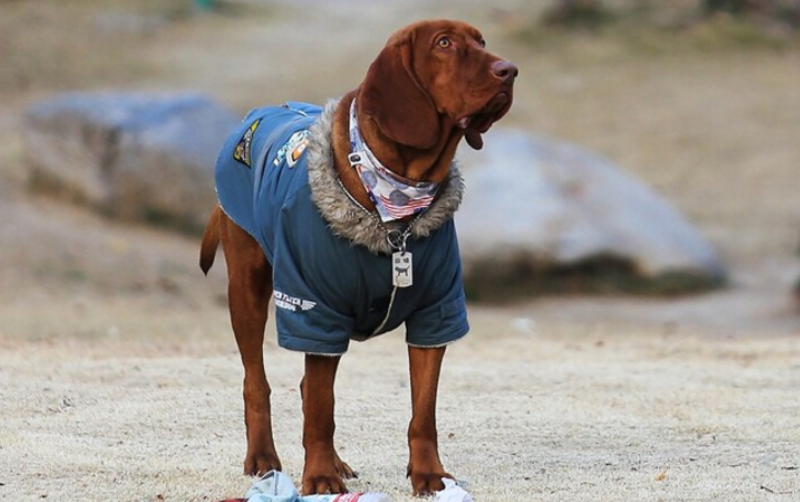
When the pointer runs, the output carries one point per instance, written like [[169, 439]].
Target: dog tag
[[402, 271]]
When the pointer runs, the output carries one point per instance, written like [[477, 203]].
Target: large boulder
[[542, 215], [135, 156], [796, 288], [796, 293]]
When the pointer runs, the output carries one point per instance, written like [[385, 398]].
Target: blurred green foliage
[[653, 27], [783, 10], [586, 14], [603, 275]]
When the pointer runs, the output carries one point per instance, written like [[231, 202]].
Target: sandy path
[[555, 413]]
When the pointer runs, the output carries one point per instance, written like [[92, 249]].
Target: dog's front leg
[[424, 467], [320, 471]]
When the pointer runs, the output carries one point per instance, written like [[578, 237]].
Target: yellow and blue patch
[[242, 151]]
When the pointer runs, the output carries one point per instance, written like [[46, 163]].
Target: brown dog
[[432, 84]]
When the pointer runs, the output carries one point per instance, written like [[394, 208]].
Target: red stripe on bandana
[[408, 209]]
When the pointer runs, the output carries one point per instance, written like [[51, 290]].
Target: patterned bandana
[[394, 197]]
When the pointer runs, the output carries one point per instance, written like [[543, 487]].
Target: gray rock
[[796, 289], [536, 206], [796, 293], [131, 155], [115, 22]]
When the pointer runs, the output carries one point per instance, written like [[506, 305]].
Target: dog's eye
[[444, 43], [482, 42]]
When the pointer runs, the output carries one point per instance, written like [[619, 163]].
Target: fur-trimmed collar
[[347, 219]]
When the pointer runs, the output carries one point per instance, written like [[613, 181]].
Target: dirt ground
[[119, 377]]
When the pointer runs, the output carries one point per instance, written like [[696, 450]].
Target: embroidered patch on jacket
[[287, 302], [242, 150], [293, 149]]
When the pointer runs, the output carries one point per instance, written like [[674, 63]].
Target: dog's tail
[[208, 248]]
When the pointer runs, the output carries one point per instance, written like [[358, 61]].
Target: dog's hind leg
[[249, 291]]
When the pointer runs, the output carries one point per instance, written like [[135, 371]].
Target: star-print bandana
[[394, 197]]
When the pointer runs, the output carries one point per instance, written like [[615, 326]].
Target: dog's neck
[[418, 165], [349, 220]]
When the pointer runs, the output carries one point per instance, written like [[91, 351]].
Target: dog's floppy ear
[[393, 96]]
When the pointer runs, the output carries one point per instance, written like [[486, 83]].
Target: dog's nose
[[505, 71]]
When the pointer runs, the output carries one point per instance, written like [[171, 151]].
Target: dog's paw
[[322, 484], [427, 483], [259, 464]]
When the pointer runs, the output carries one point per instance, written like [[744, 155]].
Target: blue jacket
[[328, 290]]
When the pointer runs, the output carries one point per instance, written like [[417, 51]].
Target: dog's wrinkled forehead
[[428, 30], [430, 75]]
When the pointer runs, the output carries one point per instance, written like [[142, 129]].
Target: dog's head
[[437, 75]]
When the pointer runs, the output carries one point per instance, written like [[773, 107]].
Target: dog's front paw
[[322, 483], [427, 483], [258, 464]]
